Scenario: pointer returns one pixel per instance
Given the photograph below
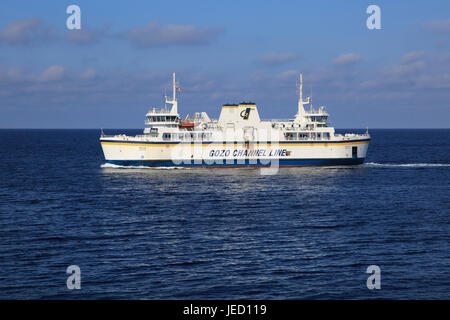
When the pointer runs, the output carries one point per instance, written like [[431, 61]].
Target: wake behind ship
[[237, 139]]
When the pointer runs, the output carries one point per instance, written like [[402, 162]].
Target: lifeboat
[[187, 124]]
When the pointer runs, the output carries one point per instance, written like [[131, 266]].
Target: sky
[[119, 64]]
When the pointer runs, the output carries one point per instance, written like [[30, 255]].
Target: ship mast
[[301, 109], [174, 101]]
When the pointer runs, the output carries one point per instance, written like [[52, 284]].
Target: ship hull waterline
[[241, 163]]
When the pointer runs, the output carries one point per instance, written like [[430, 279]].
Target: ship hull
[[214, 154]]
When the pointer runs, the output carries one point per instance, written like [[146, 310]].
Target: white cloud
[[156, 35], [89, 74], [86, 35], [412, 56], [347, 59], [25, 31], [52, 73]]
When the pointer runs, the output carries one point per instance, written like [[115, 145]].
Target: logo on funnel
[[245, 113]]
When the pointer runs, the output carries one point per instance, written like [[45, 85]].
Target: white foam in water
[[410, 165], [116, 166]]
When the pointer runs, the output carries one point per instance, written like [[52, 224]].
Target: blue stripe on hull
[[241, 163]]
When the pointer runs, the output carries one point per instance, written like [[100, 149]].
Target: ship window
[[303, 135], [205, 136], [289, 135], [166, 136]]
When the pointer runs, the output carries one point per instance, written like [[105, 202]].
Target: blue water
[[305, 233]]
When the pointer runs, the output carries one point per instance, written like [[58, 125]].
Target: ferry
[[239, 138]]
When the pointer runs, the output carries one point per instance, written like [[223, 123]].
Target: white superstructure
[[238, 138]]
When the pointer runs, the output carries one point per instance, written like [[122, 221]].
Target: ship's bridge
[[317, 117], [162, 117], [159, 119]]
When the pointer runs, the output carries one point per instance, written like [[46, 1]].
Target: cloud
[[279, 58], [13, 75], [89, 74], [408, 69], [416, 71], [412, 56], [417, 80], [86, 36], [411, 64], [439, 26], [155, 35], [25, 32], [347, 59], [34, 30], [52, 73], [288, 75]]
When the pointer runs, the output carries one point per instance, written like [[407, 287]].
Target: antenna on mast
[[174, 88], [173, 102], [301, 109]]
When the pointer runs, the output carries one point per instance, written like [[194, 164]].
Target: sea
[[168, 233]]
